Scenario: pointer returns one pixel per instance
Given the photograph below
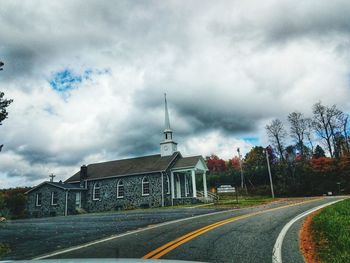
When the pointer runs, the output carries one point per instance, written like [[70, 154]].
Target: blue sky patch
[[65, 80], [253, 140]]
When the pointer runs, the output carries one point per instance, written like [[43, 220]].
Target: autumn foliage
[[215, 164]]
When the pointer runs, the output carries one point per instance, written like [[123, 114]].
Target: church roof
[[64, 186], [187, 162], [132, 166]]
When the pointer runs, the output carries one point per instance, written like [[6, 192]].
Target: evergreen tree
[[4, 103], [319, 152]]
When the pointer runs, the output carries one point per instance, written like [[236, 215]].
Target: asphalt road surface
[[242, 235], [28, 238]]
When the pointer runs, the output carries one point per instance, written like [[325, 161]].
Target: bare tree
[[321, 124], [298, 129], [327, 124], [277, 134], [345, 130], [334, 116], [309, 133]]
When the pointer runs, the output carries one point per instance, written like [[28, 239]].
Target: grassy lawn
[[331, 232], [229, 201]]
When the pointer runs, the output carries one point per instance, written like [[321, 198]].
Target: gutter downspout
[[66, 206], [162, 189]]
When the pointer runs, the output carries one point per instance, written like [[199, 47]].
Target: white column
[[66, 206], [194, 188], [205, 184], [172, 185], [178, 186]]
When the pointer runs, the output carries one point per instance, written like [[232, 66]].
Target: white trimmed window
[[120, 189], [38, 199], [96, 192], [54, 198], [145, 186], [167, 184]]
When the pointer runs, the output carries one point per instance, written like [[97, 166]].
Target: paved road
[[243, 238], [32, 237], [247, 235]]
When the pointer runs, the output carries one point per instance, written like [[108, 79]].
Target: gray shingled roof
[[187, 162], [139, 165], [62, 185]]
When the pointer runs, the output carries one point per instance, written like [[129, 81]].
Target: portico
[[183, 178]]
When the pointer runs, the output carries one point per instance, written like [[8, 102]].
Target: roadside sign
[[226, 188]]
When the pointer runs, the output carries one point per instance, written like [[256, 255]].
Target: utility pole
[[240, 165], [268, 167]]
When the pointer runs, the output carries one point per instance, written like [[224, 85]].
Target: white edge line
[[277, 249], [130, 233], [127, 233]]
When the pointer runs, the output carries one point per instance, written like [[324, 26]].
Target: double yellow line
[[162, 250]]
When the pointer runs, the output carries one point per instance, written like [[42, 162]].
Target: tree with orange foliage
[[235, 163], [215, 164]]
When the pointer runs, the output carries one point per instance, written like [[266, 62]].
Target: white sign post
[[226, 188]]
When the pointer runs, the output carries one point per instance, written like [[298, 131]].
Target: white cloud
[[228, 68]]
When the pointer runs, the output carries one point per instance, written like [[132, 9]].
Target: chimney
[[83, 173]]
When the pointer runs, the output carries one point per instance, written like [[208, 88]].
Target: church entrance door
[[78, 200]]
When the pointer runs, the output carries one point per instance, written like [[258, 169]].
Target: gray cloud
[[227, 68]]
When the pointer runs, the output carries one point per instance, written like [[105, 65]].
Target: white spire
[[167, 146], [167, 122]]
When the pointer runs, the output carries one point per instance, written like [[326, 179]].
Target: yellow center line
[[162, 250]]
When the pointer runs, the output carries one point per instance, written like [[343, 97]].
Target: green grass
[[331, 231], [243, 201]]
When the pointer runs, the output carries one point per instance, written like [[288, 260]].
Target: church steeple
[[168, 146], [167, 122]]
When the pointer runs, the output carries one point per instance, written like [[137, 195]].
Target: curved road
[[244, 235]]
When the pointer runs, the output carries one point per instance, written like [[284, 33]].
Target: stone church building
[[163, 179]]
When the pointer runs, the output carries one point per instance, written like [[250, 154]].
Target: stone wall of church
[[133, 197], [46, 208]]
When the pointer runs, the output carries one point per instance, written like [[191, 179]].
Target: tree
[[319, 152], [255, 166], [235, 163], [345, 124], [4, 103], [309, 132], [215, 164], [298, 129], [277, 134], [324, 123], [335, 117]]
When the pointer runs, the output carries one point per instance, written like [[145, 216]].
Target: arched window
[[96, 193], [120, 189], [145, 186], [167, 184]]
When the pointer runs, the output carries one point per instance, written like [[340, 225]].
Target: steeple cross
[[52, 176]]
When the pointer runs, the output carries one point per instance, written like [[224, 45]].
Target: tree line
[[315, 162], [328, 125]]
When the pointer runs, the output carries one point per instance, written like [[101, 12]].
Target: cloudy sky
[[88, 77]]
